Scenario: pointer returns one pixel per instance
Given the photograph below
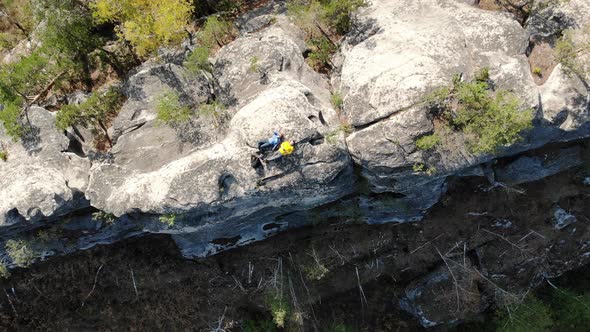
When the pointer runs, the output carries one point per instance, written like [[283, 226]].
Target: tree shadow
[[362, 31]]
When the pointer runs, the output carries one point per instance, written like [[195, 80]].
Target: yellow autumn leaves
[[146, 24]]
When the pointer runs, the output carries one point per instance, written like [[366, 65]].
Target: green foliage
[[563, 310], [337, 101], [492, 122], [259, 326], [307, 14], [48, 235], [279, 309], [4, 272], [3, 155], [10, 118], [168, 219], [431, 170], [102, 216], [339, 13], [95, 111], [146, 24], [571, 312], [16, 23], [215, 111], [489, 119], [321, 53], [343, 127], [437, 100], [198, 60], [29, 76], [529, 315], [254, 65], [317, 16], [538, 71], [418, 167], [21, 252], [67, 35], [428, 142], [319, 19], [315, 271], [229, 7], [67, 29], [483, 75], [170, 110], [341, 327], [568, 51], [421, 168], [25, 77], [215, 32]]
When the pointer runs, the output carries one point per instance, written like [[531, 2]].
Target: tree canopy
[[146, 24]]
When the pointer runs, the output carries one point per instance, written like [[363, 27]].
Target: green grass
[[21, 252], [170, 110], [168, 219], [337, 100], [428, 142], [489, 119]]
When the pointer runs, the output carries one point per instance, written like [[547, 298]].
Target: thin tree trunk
[[323, 32], [114, 61], [106, 133], [87, 74]]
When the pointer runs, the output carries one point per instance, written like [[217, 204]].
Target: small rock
[[562, 219], [502, 223]]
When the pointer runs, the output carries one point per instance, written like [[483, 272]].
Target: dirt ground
[[328, 276], [542, 61]]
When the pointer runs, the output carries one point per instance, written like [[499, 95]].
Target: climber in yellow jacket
[[285, 149]]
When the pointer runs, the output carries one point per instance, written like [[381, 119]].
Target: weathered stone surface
[[415, 47], [212, 184], [419, 46], [552, 20], [149, 83], [428, 298], [528, 169], [195, 180], [248, 65], [44, 181], [561, 218]]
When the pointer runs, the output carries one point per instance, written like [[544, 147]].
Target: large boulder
[[149, 83], [417, 46], [212, 185], [248, 65], [40, 179], [402, 51]]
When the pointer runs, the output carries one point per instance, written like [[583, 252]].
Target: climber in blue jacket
[[270, 144]]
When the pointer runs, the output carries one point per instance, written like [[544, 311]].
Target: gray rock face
[[384, 88], [213, 183], [561, 218], [250, 64], [419, 46], [529, 169], [45, 181], [149, 83], [548, 21], [427, 298]]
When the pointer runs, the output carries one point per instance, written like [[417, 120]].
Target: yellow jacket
[[286, 148]]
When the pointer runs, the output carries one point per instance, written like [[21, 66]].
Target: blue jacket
[[275, 140]]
